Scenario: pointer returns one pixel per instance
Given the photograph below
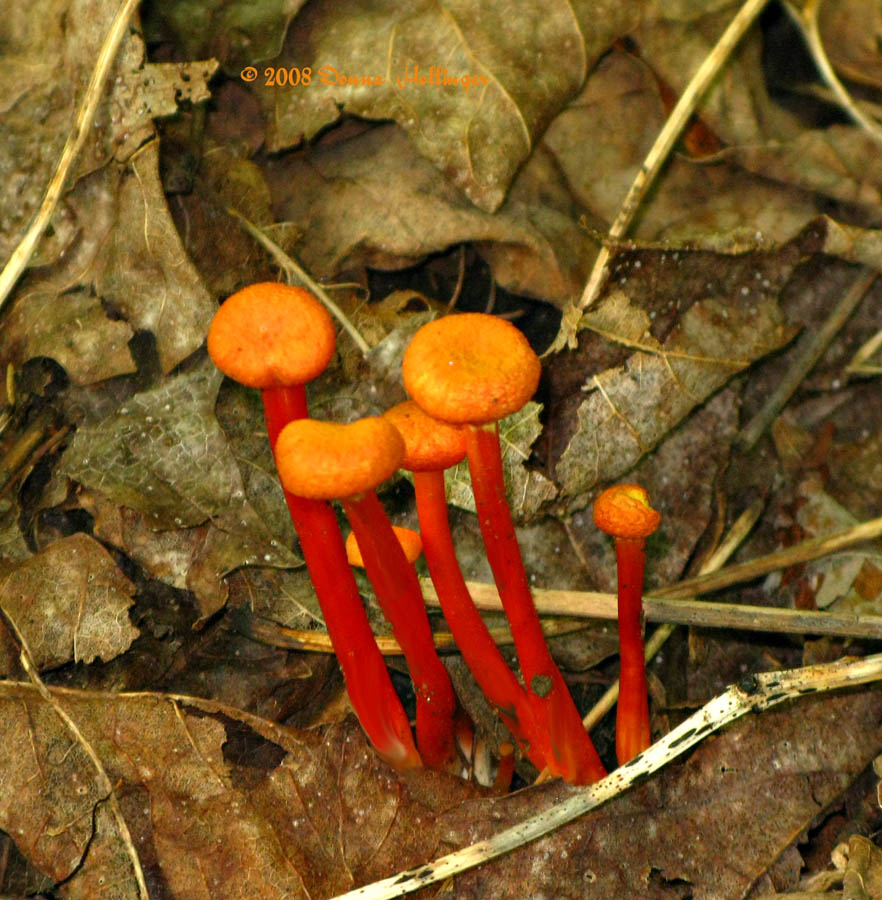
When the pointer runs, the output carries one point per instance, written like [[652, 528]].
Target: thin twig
[[666, 139], [460, 279], [81, 130], [810, 349], [804, 551], [295, 272], [806, 20], [673, 604], [754, 693], [268, 632], [23, 446], [858, 364]]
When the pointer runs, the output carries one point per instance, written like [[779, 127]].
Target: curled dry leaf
[[521, 64]]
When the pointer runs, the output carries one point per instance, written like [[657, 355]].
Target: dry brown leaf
[[329, 816], [848, 31], [49, 51], [372, 200], [521, 63], [620, 111], [70, 603], [628, 410], [128, 260], [764, 780]]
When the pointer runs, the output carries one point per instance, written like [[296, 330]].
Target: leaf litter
[[169, 470]]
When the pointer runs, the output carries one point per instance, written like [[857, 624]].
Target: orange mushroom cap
[[410, 540], [470, 368], [430, 444], [326, 460], [623, 511], [271, 335]]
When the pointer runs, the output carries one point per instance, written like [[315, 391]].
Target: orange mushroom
[[623, 511], [276, 337], [410, 540], [473, 369], [322, 460], [431, 446]]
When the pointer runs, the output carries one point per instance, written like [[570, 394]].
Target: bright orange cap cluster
[[430, 444], [271, 335], [326, 461], [471, 368], [410, 540], [623, 511]]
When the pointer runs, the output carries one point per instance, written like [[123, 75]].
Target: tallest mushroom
[[473, 369]]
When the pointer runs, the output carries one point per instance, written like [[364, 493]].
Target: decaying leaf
[[49, 52], [764, 780], [164, 455], [628, 410], [70, 603], [239, 32], [320, 816], [374, 200], [496, 75]]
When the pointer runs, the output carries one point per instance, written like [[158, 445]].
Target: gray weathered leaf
[[527, 490], [164, 455], [628, 410]]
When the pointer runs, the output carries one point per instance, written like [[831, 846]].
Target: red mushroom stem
[[368, 684], [623, 511], [472, 636], [398, 593], [276, 338], [367, 679], [633, 734], [326, 461], [572, 753], [282, 405]]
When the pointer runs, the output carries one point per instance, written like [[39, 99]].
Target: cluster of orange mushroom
[[464, 373]]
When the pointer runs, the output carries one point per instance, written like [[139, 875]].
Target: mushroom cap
[[623, 511], [470, 368], [410, 540], [429, 444], [271, 335], [326, 460]]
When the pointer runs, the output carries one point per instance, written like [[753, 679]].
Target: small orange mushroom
[[473, 369], [323, 460], [410, 540], [623, 511]]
